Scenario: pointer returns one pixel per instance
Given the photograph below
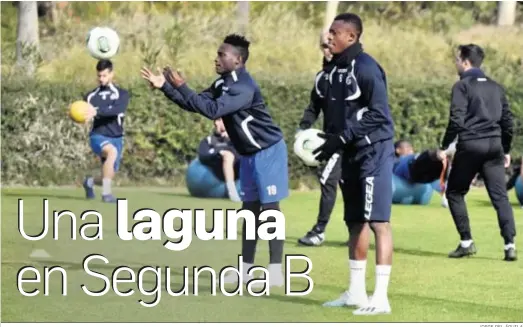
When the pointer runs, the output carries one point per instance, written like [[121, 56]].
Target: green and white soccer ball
[[103, 42], [306, 142]]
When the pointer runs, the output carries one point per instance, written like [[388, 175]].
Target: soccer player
[[480, 117], [422, 168], [217, 152], [236, 98], [108, 106], [330, 173], [358, 92]]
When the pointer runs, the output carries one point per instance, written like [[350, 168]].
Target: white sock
[[106, 186], [466, 243], [357, 277], [231, 190], [382, 281], [275, 269], [245, 268], [510, 245], [90, 181]]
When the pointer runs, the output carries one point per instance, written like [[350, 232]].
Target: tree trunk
[[507, 13], [242, 11], [330, 13], [27, 36]]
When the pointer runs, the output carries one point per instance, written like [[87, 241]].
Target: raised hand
[[156, 81], [174, 77], [90, 114]]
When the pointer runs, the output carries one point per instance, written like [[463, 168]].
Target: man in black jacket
[[481, 119], [217, 152], [329, 173]]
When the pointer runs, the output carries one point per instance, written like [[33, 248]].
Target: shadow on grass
[[415, 252], [486, 203]]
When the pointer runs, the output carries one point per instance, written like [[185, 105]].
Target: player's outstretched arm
[[172, 94], [238, 97], [374, 89], [116, 107], [458, 110], [175, 96]]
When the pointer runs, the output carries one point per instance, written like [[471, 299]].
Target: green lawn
[[425, 286]]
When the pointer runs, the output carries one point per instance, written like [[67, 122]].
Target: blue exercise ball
[[202, 183], [407, 193], [436, 186], [519, 190]]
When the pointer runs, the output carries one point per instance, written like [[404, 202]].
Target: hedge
[[42, 146]]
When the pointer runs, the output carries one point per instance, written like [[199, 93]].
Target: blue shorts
[[98, 141], [366, 183], [402, 167], [264, 175]]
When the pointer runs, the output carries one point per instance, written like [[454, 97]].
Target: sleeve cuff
[[166, 87], [184, 90]]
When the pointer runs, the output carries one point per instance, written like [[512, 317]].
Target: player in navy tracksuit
[[330, 172], [359, 91], [424, 167], [237, 99], [109, 103]]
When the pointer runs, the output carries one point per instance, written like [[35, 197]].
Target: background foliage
[[414, 41]]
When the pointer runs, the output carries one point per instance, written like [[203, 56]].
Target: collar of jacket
[[234, 74], [345, 58], [328, 65], [473, 72]]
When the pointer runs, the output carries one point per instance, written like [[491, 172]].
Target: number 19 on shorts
[[271, 190]]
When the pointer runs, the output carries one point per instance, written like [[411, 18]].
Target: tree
[[330, 13], [507, 13], [27, 36], [242, 11]]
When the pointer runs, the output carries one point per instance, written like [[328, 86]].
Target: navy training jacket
[[236, 98]]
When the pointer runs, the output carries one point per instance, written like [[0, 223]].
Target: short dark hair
[[240, 43], [400, 142], [472, 53], [353, 19], [104, 64]]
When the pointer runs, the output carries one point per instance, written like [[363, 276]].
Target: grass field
[[425, 285]]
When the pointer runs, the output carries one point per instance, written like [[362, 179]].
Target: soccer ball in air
[[78, 111], [306, 142], [103, 42]]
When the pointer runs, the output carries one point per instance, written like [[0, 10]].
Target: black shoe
[[463, 251], [312, 238], [510, 255]]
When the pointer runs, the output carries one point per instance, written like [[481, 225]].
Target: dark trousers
[[329, 175], [486, 157]]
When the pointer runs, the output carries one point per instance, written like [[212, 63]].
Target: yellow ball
[[78, 111]]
